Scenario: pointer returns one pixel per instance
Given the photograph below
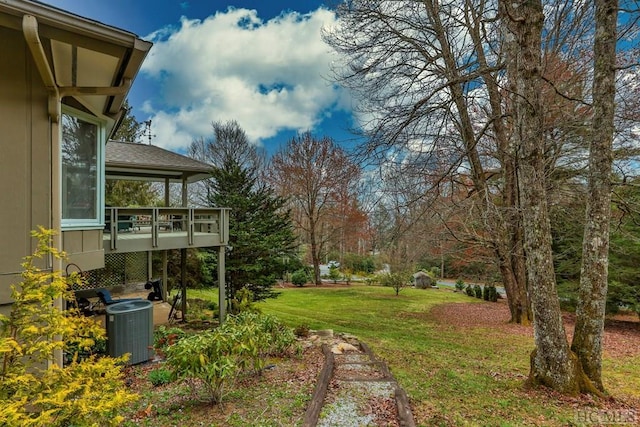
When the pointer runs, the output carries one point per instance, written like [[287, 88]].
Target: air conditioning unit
[[130, 330]]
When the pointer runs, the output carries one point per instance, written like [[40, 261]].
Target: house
[[63, 81]]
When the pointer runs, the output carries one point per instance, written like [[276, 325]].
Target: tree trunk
[[315, 255], [518, 306], [552, 362], [589, 330], [503, 225]]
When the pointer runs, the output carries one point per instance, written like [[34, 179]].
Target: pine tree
[[261, 236]]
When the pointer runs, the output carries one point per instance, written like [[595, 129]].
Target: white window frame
[[98, 221]]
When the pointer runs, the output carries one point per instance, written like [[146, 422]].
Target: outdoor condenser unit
[[130, 330]]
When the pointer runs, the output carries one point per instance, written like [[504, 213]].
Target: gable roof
[[128, 160], [87, 64]]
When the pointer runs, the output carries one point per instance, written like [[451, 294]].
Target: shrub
[[299, 278], [397, 281], [477, 290], [371, 280], [243, 301], [622, 296], [197, 309], [347, 275], [469, 290], [86, 391], [485, 292], [160, 376], [238, 347], [212, 305], [493, 293], [334, 273], [459, 284], [301, 331]]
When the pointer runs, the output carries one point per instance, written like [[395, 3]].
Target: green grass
[[473, 376], [452, 376]]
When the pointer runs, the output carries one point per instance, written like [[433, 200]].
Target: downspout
[[30, 31]]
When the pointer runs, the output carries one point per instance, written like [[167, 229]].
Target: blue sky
[[261, 63]]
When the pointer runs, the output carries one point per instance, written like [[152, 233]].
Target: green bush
[[477, 290], [160, 376], [301, 331], [347, 275], [334, 274], [493, 293], [469, 290], [243, 301], [459, 284], [238, 347], [485, 293], [622, 296], [299, 278], [397, 281]]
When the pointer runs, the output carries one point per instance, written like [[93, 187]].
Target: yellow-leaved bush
[[87, 391]]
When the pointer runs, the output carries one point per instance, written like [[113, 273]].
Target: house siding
[[84, 248], [25, 157]]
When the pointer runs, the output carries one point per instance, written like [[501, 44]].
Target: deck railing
[[153, 224]]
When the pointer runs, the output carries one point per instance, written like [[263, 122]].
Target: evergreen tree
[[261, 236]]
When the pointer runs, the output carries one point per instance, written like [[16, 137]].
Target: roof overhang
[[153, 174], [143, 162], [82, 62]]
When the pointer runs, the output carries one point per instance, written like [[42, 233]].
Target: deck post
[[165, 276], [222, 299], [183, 282]]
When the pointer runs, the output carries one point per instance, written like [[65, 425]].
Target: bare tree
[[473, 90], [313, 173], [416, 67], [229, 144]]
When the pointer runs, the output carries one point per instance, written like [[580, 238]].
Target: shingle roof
[[143, 160]]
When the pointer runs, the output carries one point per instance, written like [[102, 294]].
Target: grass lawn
[[453, 375], [457, 358]]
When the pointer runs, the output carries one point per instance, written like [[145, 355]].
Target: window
[[82, 143]]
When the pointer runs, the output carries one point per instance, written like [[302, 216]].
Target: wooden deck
[[146, 229]]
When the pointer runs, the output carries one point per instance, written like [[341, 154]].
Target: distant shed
[[422, 280]]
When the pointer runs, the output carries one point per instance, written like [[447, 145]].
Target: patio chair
[[106, 299]]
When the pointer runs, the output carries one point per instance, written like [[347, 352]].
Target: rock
[[325, 333], [342, 347]]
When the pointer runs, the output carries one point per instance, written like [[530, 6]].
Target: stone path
[[355, 388]]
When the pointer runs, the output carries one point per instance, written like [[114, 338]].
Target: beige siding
[[84, 248], [25, 165]]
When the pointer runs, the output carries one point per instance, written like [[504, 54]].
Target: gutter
[[30, 31], [56, 93]]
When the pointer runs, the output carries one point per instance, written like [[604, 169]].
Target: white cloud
[[267, 75]]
